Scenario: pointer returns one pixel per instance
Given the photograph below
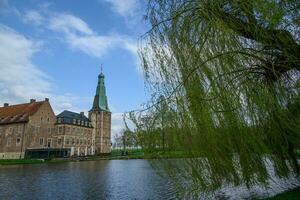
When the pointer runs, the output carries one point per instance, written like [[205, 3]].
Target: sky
[[54, 49]]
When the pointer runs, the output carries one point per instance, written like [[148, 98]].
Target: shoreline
[[6, 162], [115, 155]]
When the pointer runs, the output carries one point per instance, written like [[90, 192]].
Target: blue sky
[[55, 48]]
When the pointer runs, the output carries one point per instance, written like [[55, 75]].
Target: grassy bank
[[28, 161], [140, 154], [116, 154], [289, 195]]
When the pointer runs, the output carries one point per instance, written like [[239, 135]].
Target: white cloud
[[132, 12], [80, 36], [118, 124], [6, 9], [69, 24], [34, 17], [18, 73], [20, 79], [77, 34], [124, 7]]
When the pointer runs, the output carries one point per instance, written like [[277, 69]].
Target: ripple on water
[[113, 180]]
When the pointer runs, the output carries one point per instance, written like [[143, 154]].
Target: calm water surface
[[109, 179]]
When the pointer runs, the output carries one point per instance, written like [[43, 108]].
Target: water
[[115, 179], [107, 179]]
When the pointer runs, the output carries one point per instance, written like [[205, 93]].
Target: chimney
[[32, 100], [46, 99], [82, 113], [6, 104]]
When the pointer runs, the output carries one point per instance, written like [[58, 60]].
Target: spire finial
[[101, 69]]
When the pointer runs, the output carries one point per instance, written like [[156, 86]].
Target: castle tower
[[100, 117]]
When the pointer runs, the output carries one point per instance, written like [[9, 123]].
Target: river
[[106, 179]]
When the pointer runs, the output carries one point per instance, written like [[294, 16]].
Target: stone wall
[[42, 131], [77, 138], [11, 155], [36, 133], [101, 122], [41, 127], [12, 140]]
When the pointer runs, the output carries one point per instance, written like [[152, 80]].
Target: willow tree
[[229, 74]]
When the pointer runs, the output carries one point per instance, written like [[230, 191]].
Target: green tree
[[229, 72]]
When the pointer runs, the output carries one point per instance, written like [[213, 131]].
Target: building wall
[[41, 127], [77, 138], [101, 122], [42, 131], [11, 138], [16, 138]]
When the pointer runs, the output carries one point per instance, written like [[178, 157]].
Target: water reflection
[[115, 179], [118, 179]]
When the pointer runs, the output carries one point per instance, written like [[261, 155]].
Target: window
[[80, 142], [84, 141], [67, 141], [68, 129], [59, 120], [59, 141], [48, 119], [49, 130], [20, 129], [89, 142], [41, 119], [49, 142], [82, 123], [74, 121], [78, 122], [18, 142], [73, 130], [8, 142], [60, 129], [73, 141], [77, 142], [41, 141]]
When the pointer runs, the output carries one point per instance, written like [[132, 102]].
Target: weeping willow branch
[[224, 77]]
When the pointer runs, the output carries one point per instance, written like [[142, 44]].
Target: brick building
[[32, 130], [75, 132]]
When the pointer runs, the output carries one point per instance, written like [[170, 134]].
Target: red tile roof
[[18, 113]]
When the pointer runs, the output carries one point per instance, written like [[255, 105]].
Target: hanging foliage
[[224, 75]]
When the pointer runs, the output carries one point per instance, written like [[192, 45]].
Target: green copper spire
[[100, 100]]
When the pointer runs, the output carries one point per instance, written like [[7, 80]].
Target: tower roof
[[101, 75], [100, 99]]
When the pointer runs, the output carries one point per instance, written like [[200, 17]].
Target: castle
[[31, 130]]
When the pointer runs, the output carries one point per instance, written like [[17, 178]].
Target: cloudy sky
[[55, 49]]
